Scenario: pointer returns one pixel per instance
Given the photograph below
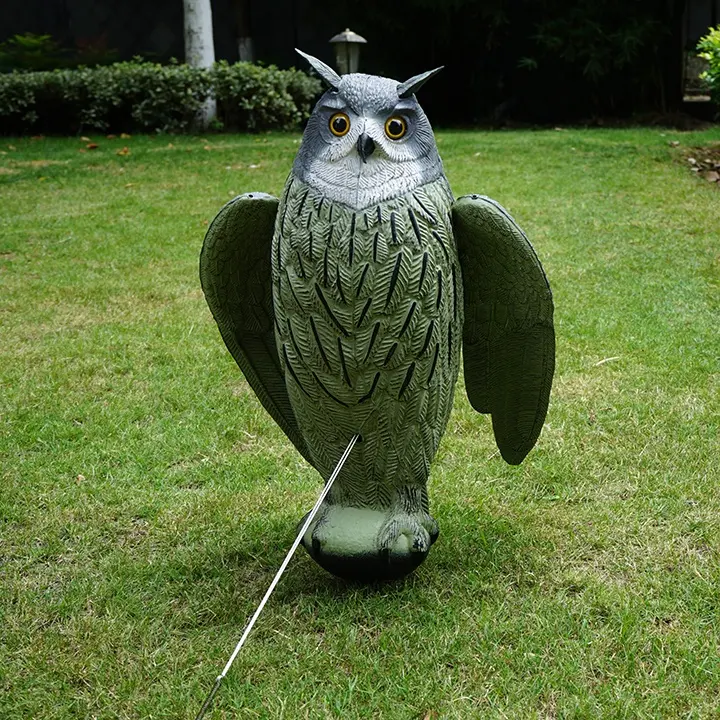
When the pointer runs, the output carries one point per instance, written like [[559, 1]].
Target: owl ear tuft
[[323, 70], [411, 86]]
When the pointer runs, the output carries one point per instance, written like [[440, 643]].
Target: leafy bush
[[709, 47], [151, 97], [257, 98], [591, 37], [31, 52], [164, 98], [303, 89], [42, 52], [607, 54]]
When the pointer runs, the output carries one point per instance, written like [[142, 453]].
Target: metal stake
[[288, 557]]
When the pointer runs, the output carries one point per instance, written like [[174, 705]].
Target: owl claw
[[406, 533]]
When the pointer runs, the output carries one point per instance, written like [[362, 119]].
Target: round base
[[345, 540], [381, 567]]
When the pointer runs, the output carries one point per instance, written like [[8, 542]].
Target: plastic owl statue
[[346, 303]]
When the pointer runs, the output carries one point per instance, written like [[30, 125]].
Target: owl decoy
[[346, 303]]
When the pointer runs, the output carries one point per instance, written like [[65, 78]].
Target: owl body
[[368, 309], [344, 304]]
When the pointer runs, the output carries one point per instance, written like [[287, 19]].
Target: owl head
[[367, 140]]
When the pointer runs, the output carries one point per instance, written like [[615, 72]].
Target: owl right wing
[[236, 277]]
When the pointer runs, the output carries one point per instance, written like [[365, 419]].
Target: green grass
[[146, 498]]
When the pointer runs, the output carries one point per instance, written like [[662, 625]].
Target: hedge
[[709, 47], [149, 97]]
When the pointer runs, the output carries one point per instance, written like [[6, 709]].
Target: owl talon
[[409, 533]]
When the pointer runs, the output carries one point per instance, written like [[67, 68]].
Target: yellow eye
[[339, 124], [395, 127]]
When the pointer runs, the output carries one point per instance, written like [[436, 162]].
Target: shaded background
[[505, 61]]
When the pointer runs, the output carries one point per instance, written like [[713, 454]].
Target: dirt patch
[[704, 161]]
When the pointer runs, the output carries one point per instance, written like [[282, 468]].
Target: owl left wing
[[236, 277], [508, 336]]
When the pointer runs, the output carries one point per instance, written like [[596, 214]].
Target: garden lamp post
[[347, 51]]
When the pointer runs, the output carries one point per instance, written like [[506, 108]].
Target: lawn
[[147, 499]]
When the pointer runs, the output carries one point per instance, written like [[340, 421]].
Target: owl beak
[[365, 146]]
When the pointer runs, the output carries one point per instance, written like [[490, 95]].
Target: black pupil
[[395, 127], [339, 124]]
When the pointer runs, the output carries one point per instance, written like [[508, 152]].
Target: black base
[[382, 567]]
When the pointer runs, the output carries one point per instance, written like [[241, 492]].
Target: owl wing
[[508, 336], [235, 273]]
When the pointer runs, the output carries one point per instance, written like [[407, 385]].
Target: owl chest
[[364, 294]]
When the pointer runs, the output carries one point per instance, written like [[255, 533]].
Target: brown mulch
[[705, 161]]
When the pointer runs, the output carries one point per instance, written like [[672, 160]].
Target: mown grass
[[146, 498]]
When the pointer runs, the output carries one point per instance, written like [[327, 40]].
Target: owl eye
[[339, 124], [395, 127]]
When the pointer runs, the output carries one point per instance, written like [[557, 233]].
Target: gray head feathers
[[367, 140]]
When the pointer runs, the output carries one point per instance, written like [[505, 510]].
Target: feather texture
[[235, 275], [359, 337], [508, 338]]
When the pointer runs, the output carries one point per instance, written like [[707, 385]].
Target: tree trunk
[[199, 48]]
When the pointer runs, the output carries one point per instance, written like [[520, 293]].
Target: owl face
[[367, 140]]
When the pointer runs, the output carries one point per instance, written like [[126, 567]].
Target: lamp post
[[347, 51]]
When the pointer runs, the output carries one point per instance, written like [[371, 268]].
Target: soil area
[[705, 161]]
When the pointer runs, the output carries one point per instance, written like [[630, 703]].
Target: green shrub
[[161, 98], [42, 52], [709, 47], [257, 97], [150, 97], [31, 52], [303, 89], [17, 100]]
